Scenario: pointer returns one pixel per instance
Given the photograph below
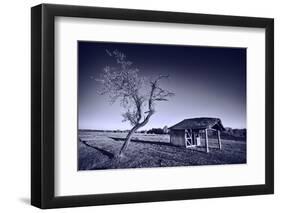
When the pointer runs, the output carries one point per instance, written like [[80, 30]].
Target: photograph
[[160, 105]]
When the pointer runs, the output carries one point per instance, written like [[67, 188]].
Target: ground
[[96, 150]]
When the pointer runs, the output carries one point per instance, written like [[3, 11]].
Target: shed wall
[[177, 137]]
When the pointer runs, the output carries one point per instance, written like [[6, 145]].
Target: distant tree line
[[160, 131], [235, 134], [155, 131], [230, 134]]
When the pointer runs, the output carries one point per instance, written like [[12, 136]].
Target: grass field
[[98, 149]]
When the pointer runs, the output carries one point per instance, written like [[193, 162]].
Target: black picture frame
[[43, 105]]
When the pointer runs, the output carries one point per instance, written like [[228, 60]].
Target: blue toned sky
[[207, 82]]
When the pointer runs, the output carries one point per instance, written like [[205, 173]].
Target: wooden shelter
[[187, 132]]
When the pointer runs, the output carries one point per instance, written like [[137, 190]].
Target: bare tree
[[137, 95]]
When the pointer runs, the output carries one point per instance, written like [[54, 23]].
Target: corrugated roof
[[198, 123]]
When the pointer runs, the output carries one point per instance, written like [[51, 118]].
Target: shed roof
[[198, 123]]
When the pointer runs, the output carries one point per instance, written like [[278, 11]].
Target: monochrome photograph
[[160, 105]]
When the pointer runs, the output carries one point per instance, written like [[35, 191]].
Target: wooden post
[[185, 138], [192, 141], [219, 138], [206, 139]]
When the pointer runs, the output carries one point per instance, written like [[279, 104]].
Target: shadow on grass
[[144, 142], [104, 152], [200, 149]]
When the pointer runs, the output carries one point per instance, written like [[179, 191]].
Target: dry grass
[[147, 150]]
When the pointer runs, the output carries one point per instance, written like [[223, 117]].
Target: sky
[[207, 82]]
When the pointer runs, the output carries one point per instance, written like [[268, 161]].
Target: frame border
[[43, 111]]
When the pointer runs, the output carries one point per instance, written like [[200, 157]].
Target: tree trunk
[[132, 131], [128, 139]]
